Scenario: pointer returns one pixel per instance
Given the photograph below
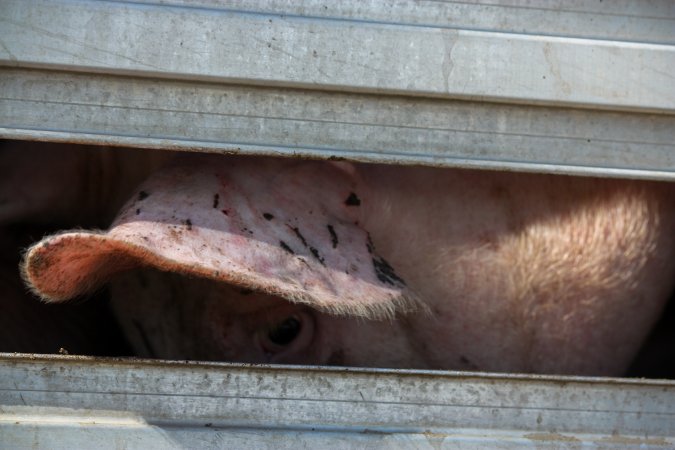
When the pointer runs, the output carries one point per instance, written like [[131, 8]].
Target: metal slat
[[369, 82], [182, 115], [650, 21], [561, 86], [169, 405], [239, 47]]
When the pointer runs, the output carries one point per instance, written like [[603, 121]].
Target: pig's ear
[[280, 227]]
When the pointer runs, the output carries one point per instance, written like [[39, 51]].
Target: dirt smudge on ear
[[286, 247], [333, 235]]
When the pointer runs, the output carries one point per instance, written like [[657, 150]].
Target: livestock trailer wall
[[573, 87]]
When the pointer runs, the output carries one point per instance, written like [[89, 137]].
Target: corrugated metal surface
[[552, 86], [70, 402], [398, 129], [229, 46], [394, 82]]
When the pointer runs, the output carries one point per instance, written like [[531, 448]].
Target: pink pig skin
[[514, 272]]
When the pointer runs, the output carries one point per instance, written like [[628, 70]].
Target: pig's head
[[236, 259], [271, 260], [169, 316]]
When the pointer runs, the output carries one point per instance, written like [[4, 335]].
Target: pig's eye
[[284, 333], [289, 339]]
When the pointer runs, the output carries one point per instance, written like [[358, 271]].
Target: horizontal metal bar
[[618, 20], [170, 402], [210, 117], [227, 46]]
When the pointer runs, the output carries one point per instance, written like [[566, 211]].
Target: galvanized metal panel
[[620, 20], [230, 46], [145, 404], [578, 87], [213, 117], [349, 58]]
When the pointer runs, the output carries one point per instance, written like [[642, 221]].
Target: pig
[[277, 260]]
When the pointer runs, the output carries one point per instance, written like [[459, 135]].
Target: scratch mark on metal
[[554, 67], [9, 52], [66, 38], [449, 40]]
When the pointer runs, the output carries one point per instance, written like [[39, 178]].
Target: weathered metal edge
[[176, 403], [617, 20], [287, 51], [366, 157], [131, 361], [182, 115]]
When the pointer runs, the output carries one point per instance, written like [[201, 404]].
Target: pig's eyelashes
[[288, 338]]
